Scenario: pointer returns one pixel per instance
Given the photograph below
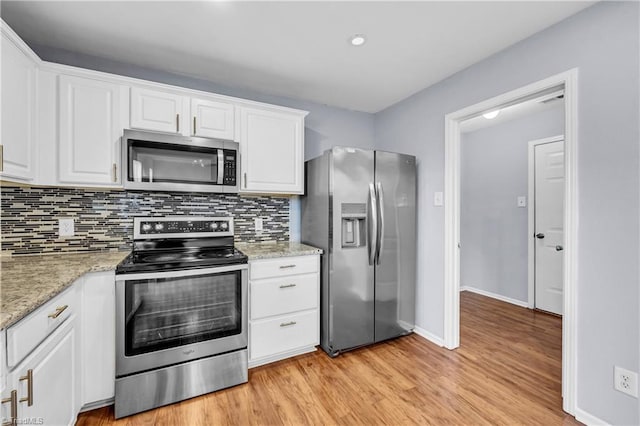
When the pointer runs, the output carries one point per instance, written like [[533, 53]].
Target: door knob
[[559, 248], [539, 235]]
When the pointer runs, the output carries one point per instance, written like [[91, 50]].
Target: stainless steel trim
[[372, 225], [171, 138], [180, 273], [380, 240], [138, 220], [151, 389], [126, 365], [220, 180]]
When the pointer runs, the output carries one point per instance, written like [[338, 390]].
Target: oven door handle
[[181, 273]]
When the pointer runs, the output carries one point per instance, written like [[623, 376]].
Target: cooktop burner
[[166, 261], [165, 244]]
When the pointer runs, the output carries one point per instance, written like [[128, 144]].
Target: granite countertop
[[276, 249], [28, 282]]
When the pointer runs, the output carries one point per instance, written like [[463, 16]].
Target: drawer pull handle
[[29, 378], [287, 324], [287, 266], [59, 310], [13, 399], [287, 285]]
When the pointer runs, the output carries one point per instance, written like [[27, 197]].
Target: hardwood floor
[[506, 371]]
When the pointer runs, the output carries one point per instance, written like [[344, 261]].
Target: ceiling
[[546, 102], [294, 49]]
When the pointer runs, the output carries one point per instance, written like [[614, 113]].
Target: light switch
[[437, 199], [522, 201]]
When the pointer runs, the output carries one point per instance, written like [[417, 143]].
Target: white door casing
[[548, 233], [569, 82]]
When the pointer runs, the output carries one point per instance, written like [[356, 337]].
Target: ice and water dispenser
[[354, 231]]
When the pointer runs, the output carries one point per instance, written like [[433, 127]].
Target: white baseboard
[[429, 336], [495, 296], [589, 419]]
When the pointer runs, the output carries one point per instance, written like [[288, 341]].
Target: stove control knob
[[159, 226], [214, 226], [224, 226], [146, 227]]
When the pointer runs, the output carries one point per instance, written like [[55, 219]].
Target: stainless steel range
[[181, 312]]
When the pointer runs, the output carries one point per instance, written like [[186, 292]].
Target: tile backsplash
[[104, 218]]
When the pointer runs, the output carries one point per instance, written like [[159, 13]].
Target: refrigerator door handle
[[372, 225], [380, 231]]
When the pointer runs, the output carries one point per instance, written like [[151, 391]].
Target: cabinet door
[[212, 119], [54, 379], [98, 337], [18, 112], [159, 111], [272, 151], [90, 130]]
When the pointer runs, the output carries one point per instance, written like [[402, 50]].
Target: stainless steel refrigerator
[[360, 208]]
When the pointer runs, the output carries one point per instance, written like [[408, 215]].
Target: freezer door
[[395, 176], [351, 292]]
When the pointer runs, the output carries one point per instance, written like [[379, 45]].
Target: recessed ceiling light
[[491, 115], [357, 40]]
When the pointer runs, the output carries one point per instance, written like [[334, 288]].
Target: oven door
[[166, 318]]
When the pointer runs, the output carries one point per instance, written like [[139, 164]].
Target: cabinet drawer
[[277, 296], [25, 335], [271, 268], [285, 333]]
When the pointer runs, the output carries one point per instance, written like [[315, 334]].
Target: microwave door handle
[[220, 167]]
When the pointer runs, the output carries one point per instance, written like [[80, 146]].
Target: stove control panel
[[182, 227]]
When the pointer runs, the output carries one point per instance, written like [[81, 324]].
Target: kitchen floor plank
[[507, 371]]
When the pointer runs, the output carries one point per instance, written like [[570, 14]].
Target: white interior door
[[549, 231]]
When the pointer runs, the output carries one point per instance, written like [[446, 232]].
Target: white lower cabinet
[[43, 388], [284, 308], [98, 350]]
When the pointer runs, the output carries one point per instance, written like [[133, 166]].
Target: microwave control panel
[[230, 165]]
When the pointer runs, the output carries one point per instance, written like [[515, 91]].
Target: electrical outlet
[[625, 381], [258, 224], [66, 228]]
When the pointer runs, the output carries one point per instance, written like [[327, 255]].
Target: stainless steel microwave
[[162, 162]]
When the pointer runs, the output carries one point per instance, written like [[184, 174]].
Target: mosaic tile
[[104, 218]]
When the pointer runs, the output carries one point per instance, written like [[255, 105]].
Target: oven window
[[153, 162], [168, 312]]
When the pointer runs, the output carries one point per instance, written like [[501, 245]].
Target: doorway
[[567, 82]]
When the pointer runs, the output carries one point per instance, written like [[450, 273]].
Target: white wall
[[603, 43], [493, 229]]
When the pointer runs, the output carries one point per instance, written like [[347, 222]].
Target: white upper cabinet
[[158, 110], [18, 108], [212, 119], [271, 150], [90, 127]]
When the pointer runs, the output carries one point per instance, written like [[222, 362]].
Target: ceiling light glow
[[491, 115], [357, 40]]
